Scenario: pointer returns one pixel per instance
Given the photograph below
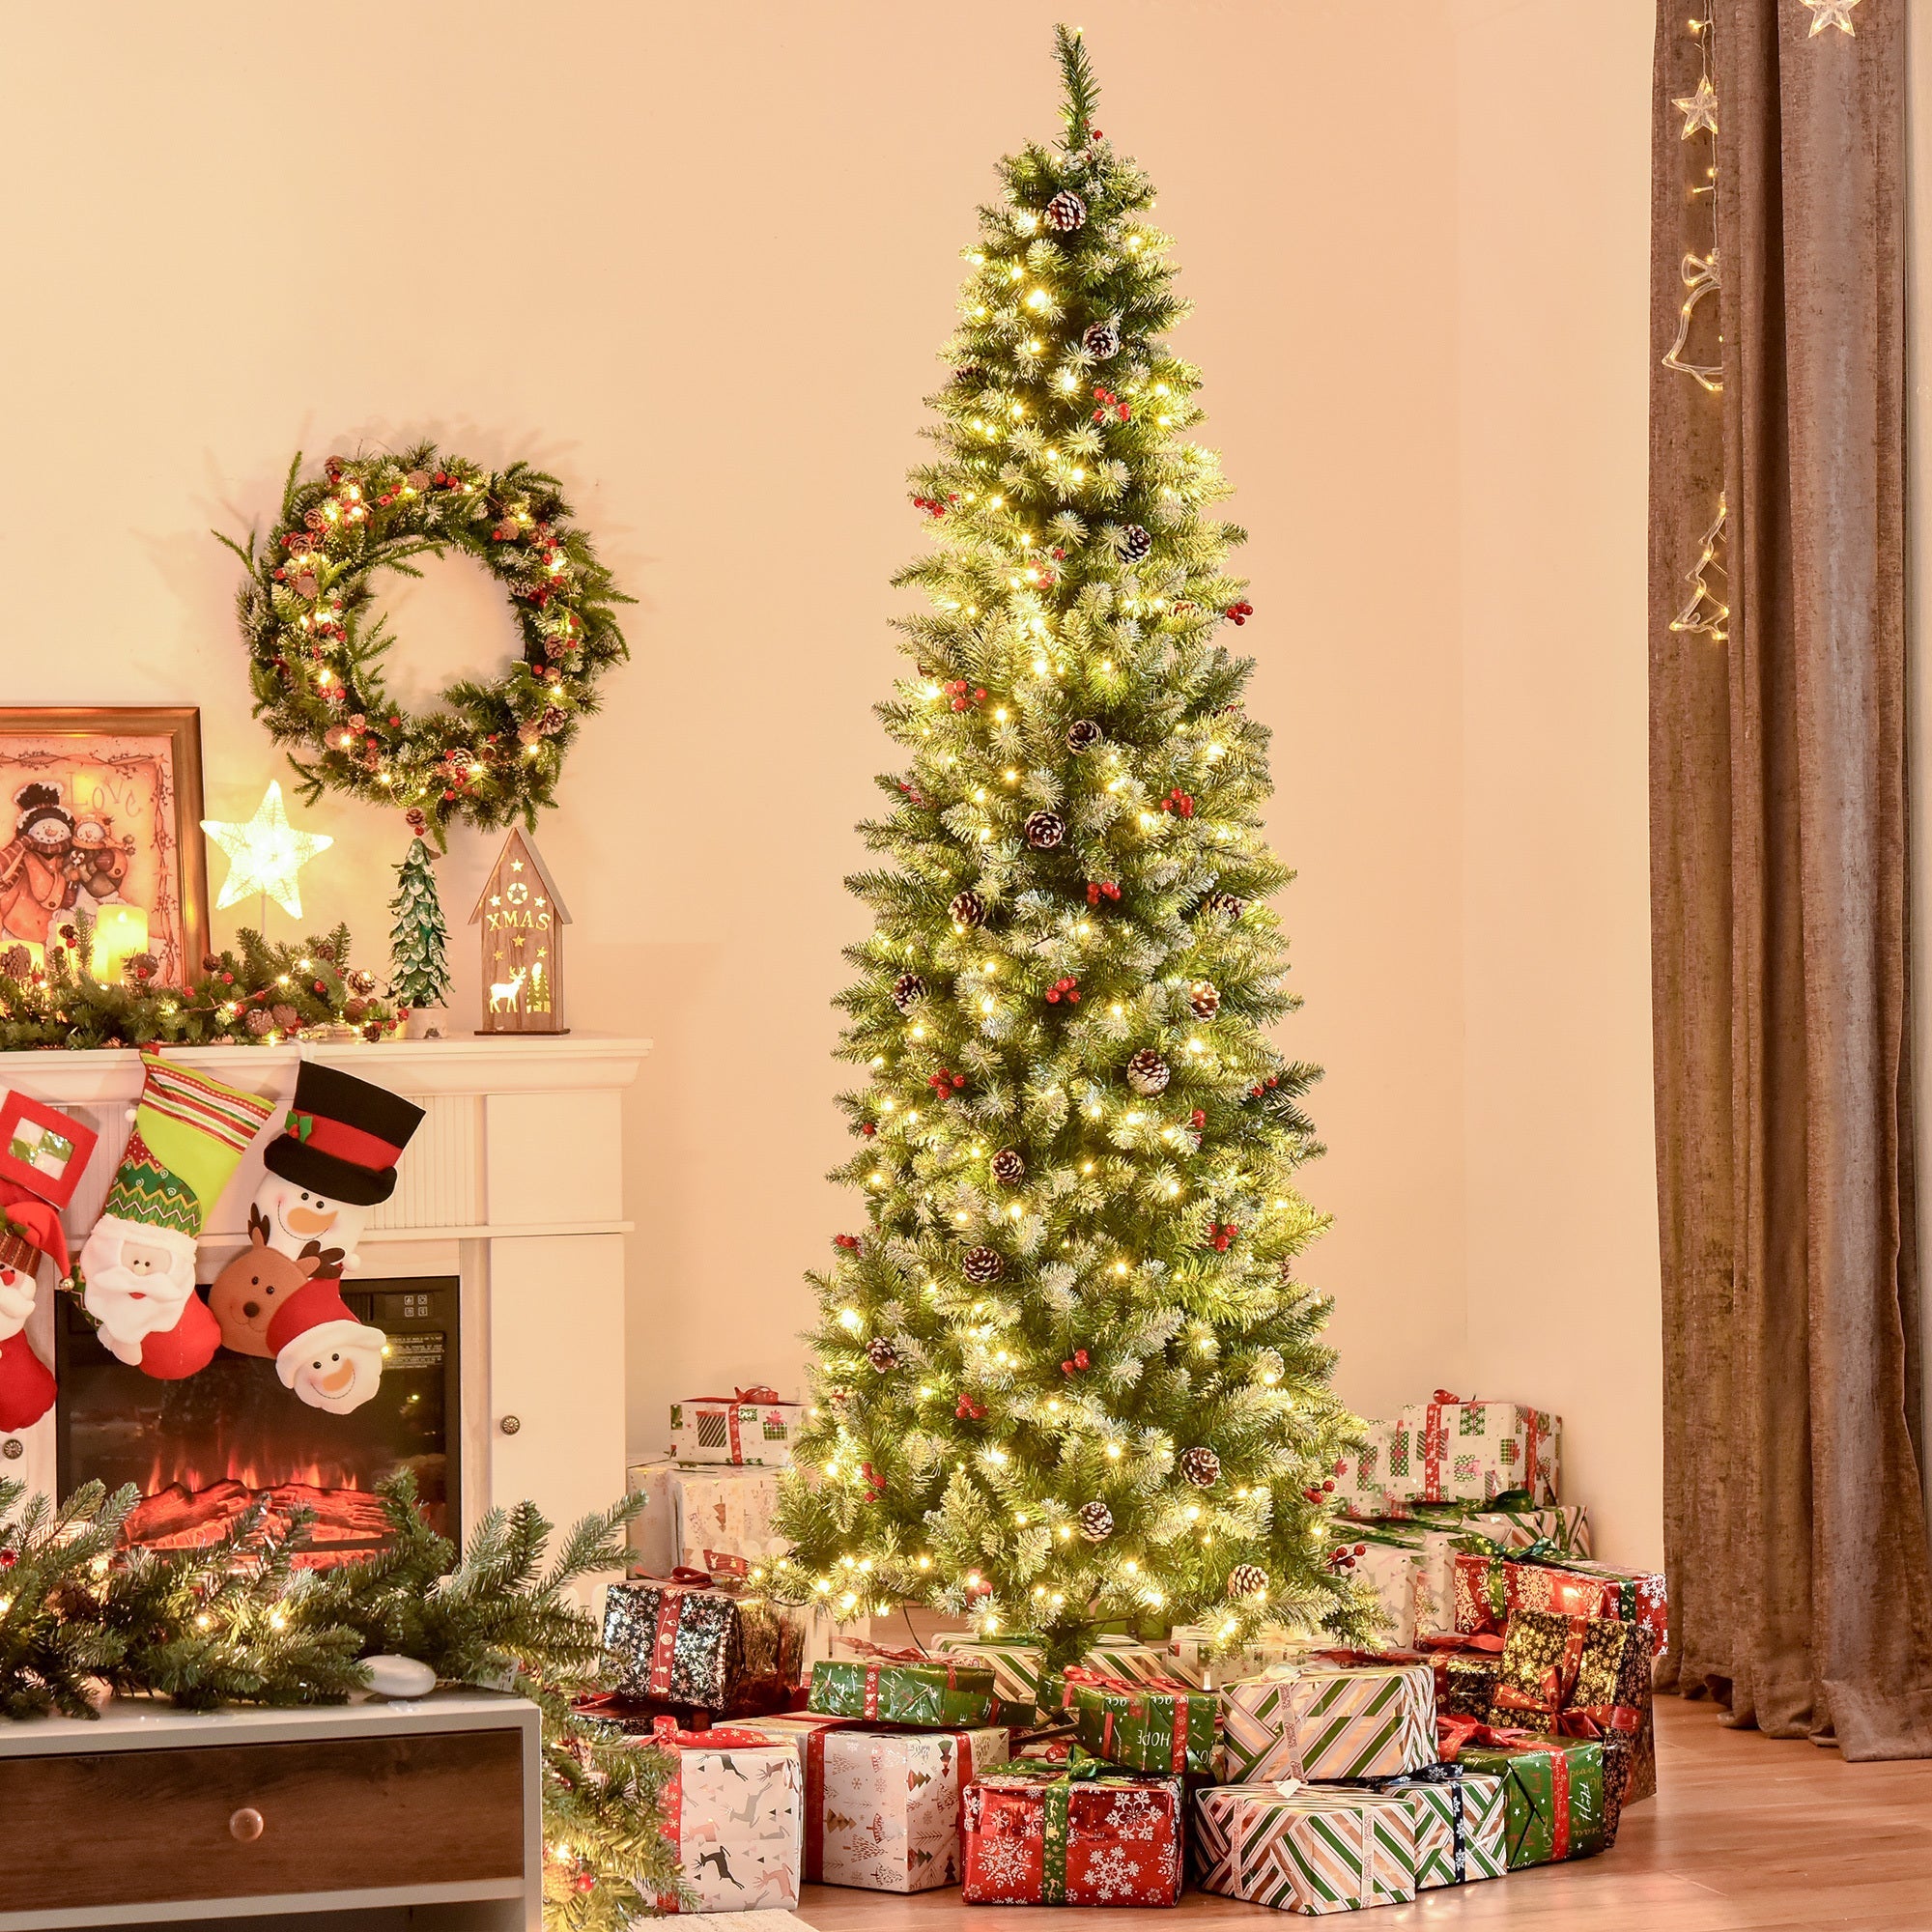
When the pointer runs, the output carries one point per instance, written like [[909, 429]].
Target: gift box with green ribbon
[[1082, 1833], [1459, 1821], [1305, 1848], [1490, 1582], [903, 1686], [1553, 1788], [1162, 1725], [1333, 1715]]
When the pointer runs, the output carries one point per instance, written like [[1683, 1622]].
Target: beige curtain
[[1795, 1521]]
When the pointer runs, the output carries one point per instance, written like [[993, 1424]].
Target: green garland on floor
[[252, 994], [240, 1623]]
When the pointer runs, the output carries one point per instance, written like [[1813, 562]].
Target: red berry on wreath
[[849, 1242]]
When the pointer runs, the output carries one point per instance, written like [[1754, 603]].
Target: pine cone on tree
[[1204, 997], [1134, 542], [982, 1264], [1065, 212], [1201, 1466], [1247, 1579], [882, 1353], [1097, 1521], [968, 908], [1229, 905], [1044, 829], [1147, 1074], [1008, 1167], [1102, 341], [908, 990], [1083, 734]]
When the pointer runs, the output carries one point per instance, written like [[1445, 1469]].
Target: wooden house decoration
[[523, 921]]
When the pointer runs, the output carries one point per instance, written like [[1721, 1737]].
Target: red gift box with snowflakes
[[1078, 1835]]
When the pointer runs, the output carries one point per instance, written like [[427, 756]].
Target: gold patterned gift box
[[1323, 1719]]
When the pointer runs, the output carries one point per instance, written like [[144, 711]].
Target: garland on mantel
[[81, 1619], [252, 994]]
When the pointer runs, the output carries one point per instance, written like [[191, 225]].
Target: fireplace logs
[[348, 1523]]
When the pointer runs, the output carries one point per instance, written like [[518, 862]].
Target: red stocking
[[26, 1385]]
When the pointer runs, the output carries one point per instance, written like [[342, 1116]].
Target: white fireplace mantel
[[514, 1182]]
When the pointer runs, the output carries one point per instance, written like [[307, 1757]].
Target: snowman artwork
[[333, 1163]]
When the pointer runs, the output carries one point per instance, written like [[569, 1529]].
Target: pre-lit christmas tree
[[1066, 1377], [420, 972]]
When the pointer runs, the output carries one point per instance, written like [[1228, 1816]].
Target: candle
[[118, 930]]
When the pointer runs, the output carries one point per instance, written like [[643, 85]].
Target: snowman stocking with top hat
[[335, 1160], [138, 1265]]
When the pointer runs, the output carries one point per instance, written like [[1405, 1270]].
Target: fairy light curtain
[[1794, 1520]]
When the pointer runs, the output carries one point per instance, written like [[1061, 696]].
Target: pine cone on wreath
[[908, 990], [1083, 734], [1228, 905], [1134, 542], [1096, 1523], [968, 908], [1008, 1167], [1204, 997], [1044, 829], [1201, 1466], [1065, 212], [1147, 1074], [980, 1266], [882, 1353], [552, 719], [1102, 341], [1247, 1579]]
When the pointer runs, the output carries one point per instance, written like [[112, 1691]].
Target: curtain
[[1795, 1517]]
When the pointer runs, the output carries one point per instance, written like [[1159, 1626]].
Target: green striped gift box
[[1324, 1721], [1302, 1849], [1018, 1662]]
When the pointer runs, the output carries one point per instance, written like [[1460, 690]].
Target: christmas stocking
[[138, 1265], [31, 1228]]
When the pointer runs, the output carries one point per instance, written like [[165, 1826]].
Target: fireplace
[[200, 1450]]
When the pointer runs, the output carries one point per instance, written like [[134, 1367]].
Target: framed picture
[[100, 812], [43, 1149]]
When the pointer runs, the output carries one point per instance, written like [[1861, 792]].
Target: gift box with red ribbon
[[1490, 1587], [903, 1686], [736, 1812], [675, 1638], [884, 1810], [749, 1425], [1553, 1787], [1156, 1725], [1457, 1449], [1082, 1833]]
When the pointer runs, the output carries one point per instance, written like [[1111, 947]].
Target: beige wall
[[698, 261]]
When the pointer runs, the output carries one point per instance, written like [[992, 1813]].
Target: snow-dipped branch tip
[[1083, 91]]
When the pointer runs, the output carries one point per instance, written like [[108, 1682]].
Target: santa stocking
[[138, 1265], [29, 1230]]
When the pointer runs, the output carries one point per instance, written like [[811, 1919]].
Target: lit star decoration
[[265, 855], [1700, 109], [1830, 14]]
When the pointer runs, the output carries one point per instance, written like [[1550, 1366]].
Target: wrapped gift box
[[717, 1520], [1018, 1664], [1466, 1682], [750, 1426], [1163, 1725], [1489, 1588], [1299, 1848], [1191, 1654], [1361, 1481], [883, 1808], [1614, 1681], [1421, 1597], [1326, 1719], [735, 1812], [1459, 1818], [1042, 1835], [684, 1642], [1552, 1792], [1389, 1559], [903, 1686], [1445, 1450]]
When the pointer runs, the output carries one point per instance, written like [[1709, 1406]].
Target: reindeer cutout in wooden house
[[523, 922]]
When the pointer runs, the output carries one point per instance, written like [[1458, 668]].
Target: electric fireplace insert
[[202, 1449]]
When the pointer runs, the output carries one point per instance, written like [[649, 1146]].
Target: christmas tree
[[1066, 1377], [419, 974]]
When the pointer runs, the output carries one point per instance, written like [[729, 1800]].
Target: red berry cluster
[[932, 506], [1220, 1235], [969, 1410], [1198, 1118], [1068, 989], [1314, 1495], [869, 1128], [1099, 889], [945, 1081], [1178, 802], [911, 791], [849, 1242], [1077, 1361], [1343, 1556], [1256, 1093], [1109, 404], [963, 695], [875, 1488], [1239, 612]]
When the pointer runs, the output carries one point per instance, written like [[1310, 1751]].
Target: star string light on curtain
[[1830, 14]]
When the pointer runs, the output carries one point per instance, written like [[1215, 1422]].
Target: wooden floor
[[1747, 1833]]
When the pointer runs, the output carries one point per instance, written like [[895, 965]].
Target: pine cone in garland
[[1102, 341], [1096, 1523], [1204, 998], [1065, 212], [1044, 829], [1008, 1167], [1083, 734], [979, 1265], [259, 1022], [1147, 1074], [882, 1353], [908, 990], [1201, 1466], [1134, 542], [1247, 1579], [1228, 905], [968, 908]]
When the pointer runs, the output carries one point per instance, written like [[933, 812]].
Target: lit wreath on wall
[[488, 753]]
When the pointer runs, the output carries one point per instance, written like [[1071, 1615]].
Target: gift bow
[[725, 1737], [1363, 1660], [884, 1652], [1449, 1400], [1454, 1735], [758, 1392]]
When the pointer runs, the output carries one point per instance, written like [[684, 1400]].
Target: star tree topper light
[[264, 854]]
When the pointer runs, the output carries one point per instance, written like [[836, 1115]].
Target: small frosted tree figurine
[[418, 971], [1066, 1377]]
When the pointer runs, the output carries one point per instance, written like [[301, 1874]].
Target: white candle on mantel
[[118, 930]]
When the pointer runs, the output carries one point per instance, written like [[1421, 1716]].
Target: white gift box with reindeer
[[736, 1813]]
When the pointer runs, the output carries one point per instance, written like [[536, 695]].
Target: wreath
[[486, 752]]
